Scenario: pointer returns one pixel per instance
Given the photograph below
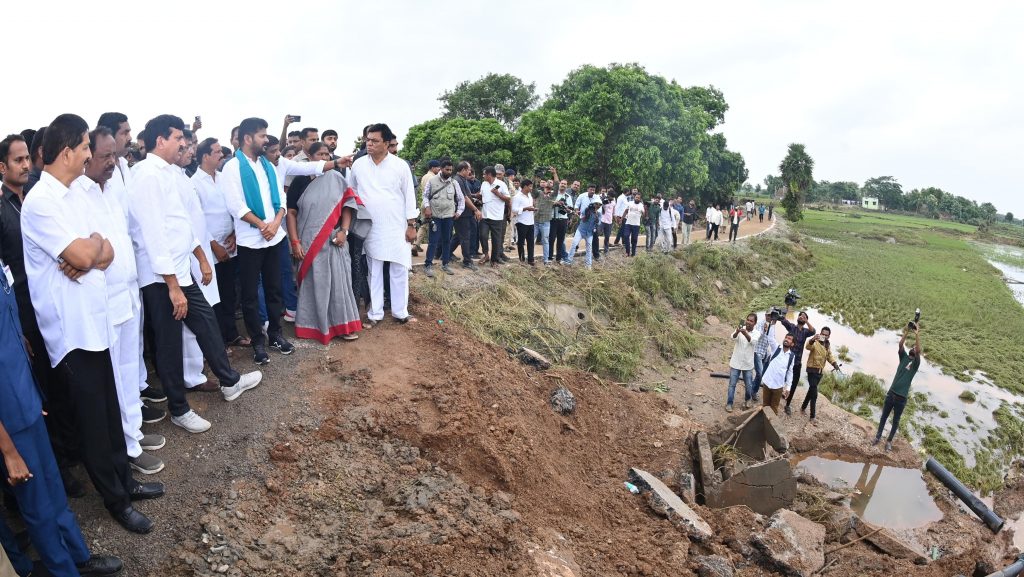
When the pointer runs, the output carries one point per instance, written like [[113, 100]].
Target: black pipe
[[994, 522], [1011, 571]]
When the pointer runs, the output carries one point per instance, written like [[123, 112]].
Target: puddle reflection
[[891, 497]]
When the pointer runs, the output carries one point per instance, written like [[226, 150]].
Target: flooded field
[[891, 497]]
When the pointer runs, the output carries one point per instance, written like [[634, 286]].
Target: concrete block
[[705, 462], [764, 488], [888, 543], [667, 504], [793, 544]]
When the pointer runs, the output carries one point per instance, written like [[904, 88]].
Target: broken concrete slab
[[760, 428], [667, 504], [705, 462], [714, 566], [532, 357], [888, 543], [764, 488], [793, 544]]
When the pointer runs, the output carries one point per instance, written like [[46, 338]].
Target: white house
[[870, 203]]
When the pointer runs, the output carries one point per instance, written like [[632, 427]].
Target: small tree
[[798, 175], [1008, 217]]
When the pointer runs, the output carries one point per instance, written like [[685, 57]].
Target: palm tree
[[797, 173]]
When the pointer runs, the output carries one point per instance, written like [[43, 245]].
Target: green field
[[874, 269]]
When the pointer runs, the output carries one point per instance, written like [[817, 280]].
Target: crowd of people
[[124, 253], [769, 366]]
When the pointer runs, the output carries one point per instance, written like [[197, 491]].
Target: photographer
[[742, 362], [801, 331], [777, 373], [818, 354], [896, 398], [767, 346], [559, 222]]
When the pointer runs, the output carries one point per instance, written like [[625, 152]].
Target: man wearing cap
[[433, 168]]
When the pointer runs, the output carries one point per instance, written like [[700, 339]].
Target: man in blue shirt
[[29, 467]]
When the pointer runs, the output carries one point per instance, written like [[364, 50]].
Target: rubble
[[793, 544], [532, 357], [887, 542], [705, 463], [669, 505], [563, 401], [714, 566], [764, 487]]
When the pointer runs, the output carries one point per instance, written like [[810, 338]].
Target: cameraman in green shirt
[[896, 399]]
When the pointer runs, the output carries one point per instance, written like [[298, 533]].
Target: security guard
[[28, 464]]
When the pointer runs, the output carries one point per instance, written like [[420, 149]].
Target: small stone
[[563, 401], [240, 515], [719, 285], [222, 569], [712, 320], [767, 282], [714, 566]]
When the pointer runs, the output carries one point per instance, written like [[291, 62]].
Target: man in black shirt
[[801, 331]]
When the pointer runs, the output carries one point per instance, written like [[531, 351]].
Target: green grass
[[968, 397], [970, 321]]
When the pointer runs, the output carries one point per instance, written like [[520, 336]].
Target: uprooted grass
[[649, 303]]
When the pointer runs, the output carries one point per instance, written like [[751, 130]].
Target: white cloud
[[926, 92]]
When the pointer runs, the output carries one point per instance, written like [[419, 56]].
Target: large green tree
[[502, 97], [481, 142], [622, 125], [797, 171], [887, 190], [726, 171]]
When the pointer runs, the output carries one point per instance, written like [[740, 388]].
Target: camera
[[540, 171], [791, 297], [912, 325], [775, 313]]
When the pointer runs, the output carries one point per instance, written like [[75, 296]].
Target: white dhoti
[[126, 356], [399, 280], [192, 358]]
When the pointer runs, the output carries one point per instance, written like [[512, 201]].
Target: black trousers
[[92, 395], [494, 228], [797, 365], [227, 274], [167, 338], [714, 230], [464, 229], [812, 392], [595, 245], [60, 418], [252, 263], [734, 231], [360, 280], [525, 236], [556, 238], [483, 233]]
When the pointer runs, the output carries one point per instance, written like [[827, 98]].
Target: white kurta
[[194, 209], [389, 197]]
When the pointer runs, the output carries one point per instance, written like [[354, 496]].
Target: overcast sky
[[928, 92]]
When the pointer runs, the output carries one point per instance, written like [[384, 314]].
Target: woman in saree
[[327, 211]]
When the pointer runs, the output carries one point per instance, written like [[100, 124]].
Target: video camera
[[791, 297], [775, 313], [912, 325]]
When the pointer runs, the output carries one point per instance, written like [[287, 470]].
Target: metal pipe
[[1011, 571], [994, 522]]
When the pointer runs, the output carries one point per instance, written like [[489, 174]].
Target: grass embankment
[[879, 268], [636, 310]]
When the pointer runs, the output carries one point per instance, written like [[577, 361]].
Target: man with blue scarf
[[253, 191]]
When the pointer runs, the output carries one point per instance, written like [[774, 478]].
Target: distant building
[[870, 203]]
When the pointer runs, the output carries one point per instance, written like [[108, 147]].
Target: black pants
[[760, 217], [92, 395], [556, 238], [60, 419], [734, 231], [167, 336], [595, 245], [251, 263], [464, 227], [606, 230], [714, 230], [360, 281], [622, 229], [483, 233], [504, 230], [494, 228], [227, 272], [525, 236], [811, 398], [893, 404], [797, 365]]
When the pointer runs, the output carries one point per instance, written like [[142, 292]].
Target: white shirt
[[634, 212], [110, 220], [779, 371], [494, 207], [709, 215], [743, 351], [717, 217], [219, 221], [71, 314], [231, 183], [668, 218], [300, 157], [519, 202], [620, 204], [190, 200], [389, 197], [120, 182], [160, 227]]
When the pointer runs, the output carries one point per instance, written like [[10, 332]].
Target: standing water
[[891, 497]]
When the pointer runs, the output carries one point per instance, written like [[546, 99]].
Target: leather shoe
[[100, 565], [134, 521], [146, 491], [207, 387]]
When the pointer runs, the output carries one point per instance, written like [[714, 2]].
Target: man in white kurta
[[384, 183]]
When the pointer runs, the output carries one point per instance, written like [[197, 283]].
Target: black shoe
[[146, 491], [259, 354], [134, 521], [152, 394], [281, 345], [72, 486], [100, 565], [152, 414]]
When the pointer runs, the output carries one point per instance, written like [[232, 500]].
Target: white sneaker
[[192, 422], [289, 316], [246, 382]]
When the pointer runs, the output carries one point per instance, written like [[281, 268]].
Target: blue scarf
[[251, 187]]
